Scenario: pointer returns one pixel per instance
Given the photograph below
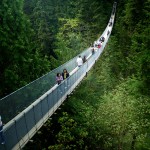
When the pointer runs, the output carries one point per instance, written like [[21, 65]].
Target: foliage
[[120, 117], [19, 60], [69, 39], [70, 135]]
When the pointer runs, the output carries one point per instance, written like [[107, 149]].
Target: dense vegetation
[[111, 108]]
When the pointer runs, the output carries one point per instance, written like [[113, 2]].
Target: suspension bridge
[[27, 109]]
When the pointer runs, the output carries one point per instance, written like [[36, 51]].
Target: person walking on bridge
[[84, 59], [79, 61], [93, 51], [99, 45], [2, 140], [59, 78], [65, 74]]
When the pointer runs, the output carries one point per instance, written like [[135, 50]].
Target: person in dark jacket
[[110, 24], [108, 32], [84, 59], [2, 140], [102, 39], [93, 51], [65, 74]]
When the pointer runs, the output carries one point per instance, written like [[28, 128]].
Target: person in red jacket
[[99, 46]]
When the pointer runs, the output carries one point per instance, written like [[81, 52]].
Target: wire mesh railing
[[16, 102]]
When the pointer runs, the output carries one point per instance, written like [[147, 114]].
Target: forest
[[110, 110]]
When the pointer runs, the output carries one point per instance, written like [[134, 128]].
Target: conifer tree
[[18, 57]]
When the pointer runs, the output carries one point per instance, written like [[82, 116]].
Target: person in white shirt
[[79, 61], [95, 43]]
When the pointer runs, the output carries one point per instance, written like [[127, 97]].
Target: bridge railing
[[13, 104], [26, 124]]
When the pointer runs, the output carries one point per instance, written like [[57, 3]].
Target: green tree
[[70, 136], [18, 59]]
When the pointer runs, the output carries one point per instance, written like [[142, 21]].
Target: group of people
[[80, 61], [97, 44], [62, 76]]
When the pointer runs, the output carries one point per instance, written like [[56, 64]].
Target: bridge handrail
[[17, 101]]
